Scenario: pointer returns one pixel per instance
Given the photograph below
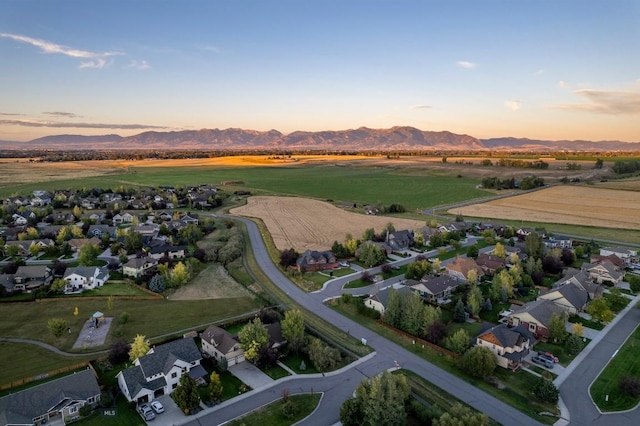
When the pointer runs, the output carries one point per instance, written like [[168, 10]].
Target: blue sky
[[566, 69]]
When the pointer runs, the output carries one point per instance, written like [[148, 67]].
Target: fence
[[51, 373], [422, 342]]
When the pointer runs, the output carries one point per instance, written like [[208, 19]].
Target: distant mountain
[[400, 138]]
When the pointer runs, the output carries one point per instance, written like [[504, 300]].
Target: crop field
[[579, 205], [304, 224]]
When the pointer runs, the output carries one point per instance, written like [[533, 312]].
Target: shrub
[[546, 391], [629, 386], [574, 344]]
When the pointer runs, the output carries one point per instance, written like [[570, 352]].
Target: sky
[[561, 69]]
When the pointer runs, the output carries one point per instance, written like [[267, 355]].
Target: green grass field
[[272, 414], [625, 363]]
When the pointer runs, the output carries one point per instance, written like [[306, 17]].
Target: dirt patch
[[304, 224], [576, 205], [212, 283]]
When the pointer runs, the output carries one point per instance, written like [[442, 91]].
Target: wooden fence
[[51, 373], [419, 341]]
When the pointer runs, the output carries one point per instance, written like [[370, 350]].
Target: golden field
[[576, 205], [304, 223]]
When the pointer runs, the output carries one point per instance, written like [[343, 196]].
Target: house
[[77, 243], [158, 372], [218, 343], [274, 331], [490, 263], [628, 255], [122, 218], [460, 267], [23, 218], [604, 272], [83, 278], [510, 345], [434, 289], [100, 231], [139, 267], [58, 400], [312, 260], [535, 317], [166, 250], [378, 301], [570, 296], [400, 240], [558, 241], [582, 279], [615, 260], [31, 277]]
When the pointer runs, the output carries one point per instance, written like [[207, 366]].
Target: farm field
[[211, 283], [579, 205], [303, 223]]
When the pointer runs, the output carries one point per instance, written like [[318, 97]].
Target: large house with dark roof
[[569, 296], [510, 345], [312, 260], [434, 289], [159, 371], [57, 400], [218, 343], [535, 317], [82, 278], [400, 240], [379, 300]]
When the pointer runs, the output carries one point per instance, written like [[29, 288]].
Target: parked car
[[544, 361], [157, 407], [549, 355], [146, 412]]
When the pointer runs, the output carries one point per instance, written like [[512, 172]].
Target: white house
[[85, 278], [510, 345], [158, 372], [628, 255]]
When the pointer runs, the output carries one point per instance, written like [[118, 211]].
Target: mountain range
[[400, 138]]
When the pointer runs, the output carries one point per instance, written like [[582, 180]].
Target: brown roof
[[464, 265], [220, 338]]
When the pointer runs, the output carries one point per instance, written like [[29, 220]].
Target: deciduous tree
[[458, 342], [186, 394], [253, 337], [478, 362], [475, 300], [215, 387], [293, 329], [557, 328], [57, 326], [139, 347], [599, 310]]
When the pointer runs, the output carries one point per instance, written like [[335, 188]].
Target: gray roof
[[383, 295], [135, 381], [542, 310], [574, 293], [22, 407], [163, 357], [220, 338], [436, 284], [83, 271], [509, 337]]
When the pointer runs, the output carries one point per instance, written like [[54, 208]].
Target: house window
[[532, 327], [174, 375], [73, 410], [175, 385]]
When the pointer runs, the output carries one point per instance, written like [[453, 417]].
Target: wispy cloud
[[466, 64], [513, 104], [11, 114], [615, 102], [139, 65], [41, 123], [61, 114], [95, 59], [421, 107], [563, 84]]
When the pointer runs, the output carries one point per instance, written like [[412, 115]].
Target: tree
[[567, 257], [124, 317], [500, 251], [119, 352], [616, 300], [179, 275], [634, 282], [293, 329], [629, 386], [599, 163], [502, 280], [478, 362], [57, 326], [368, 234], [34, 250], [77, 212], [393, 312], [533, 245], [186, 394], [473, 251], [577, 329], [428, 316], [546, 391], [436, 332], [133, 242], [574, 344], [322, 356], [487, 305], [472, 277], [139, 347], [410, 318], [253, 337], [215, 387], [458, 312], [58, 285], [417, 269], [156, 284], [458, 342], [370, 254], [379, 401], [191, 233], [475, 300], [88, 254], [557, 328], [288, 258], [460, 415], [599, 310]]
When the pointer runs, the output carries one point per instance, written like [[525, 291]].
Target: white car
[[157, 407]]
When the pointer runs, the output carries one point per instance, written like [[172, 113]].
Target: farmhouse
[[159, 371], [59, 400], [490, 263], [27, 278], [604, 272]]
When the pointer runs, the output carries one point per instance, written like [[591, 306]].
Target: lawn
[[272, 414], [585, 322], [294, 360], [276, 372], [124, 416], [492, 315], [557, 350], [472, 328], [114, 289], [625, 363]]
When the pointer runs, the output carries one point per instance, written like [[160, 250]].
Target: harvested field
[[577, 205], [212, 283], [304, 224]]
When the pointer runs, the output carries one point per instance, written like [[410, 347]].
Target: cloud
[[96, 59], [539, 72], [40, 123], [210, 48], [421, 107], [513, 105], [139, 65], [466, 64], [563, 84], [11, 114], [61, 114], [615, 102]]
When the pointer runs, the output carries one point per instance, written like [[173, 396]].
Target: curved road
[[339, 386]]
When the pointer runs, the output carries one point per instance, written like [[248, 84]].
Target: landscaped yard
[[294, 360], [114, 289], [276, 372], [625, 363], [557, 350]]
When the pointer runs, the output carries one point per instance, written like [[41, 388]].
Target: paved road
[[338, 387]]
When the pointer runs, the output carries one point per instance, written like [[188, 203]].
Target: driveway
[[250, 375], [172, 414]]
